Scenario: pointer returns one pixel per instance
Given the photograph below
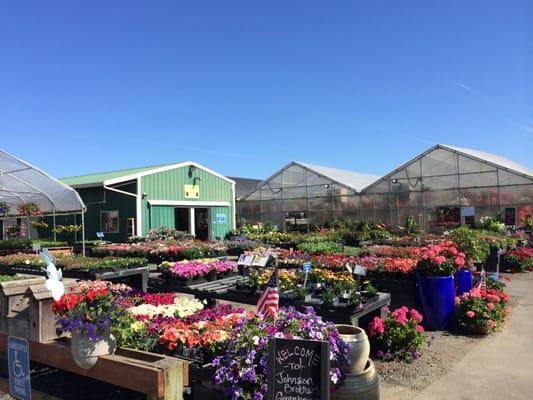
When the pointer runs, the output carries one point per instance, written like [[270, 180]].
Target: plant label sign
[[359, 270], [100, 235], [18, 356], [307, 267], [298, 369]]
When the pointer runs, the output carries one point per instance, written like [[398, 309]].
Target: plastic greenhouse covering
[[21, 182]]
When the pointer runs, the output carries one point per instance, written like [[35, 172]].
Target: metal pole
[[83, 233], [54, 230]]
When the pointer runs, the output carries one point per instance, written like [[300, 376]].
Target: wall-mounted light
[[196, 178], [327, 186], [191, 170], [144, 195], [394, 181]]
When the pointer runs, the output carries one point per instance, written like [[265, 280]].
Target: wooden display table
[[225, 289], [136, 277], [157, 376]]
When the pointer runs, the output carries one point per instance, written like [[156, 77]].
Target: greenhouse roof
[[113, 177], [21, 182], [354, 180], [492, 158]]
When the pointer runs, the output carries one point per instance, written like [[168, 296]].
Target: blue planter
[[464, 281], [436, 295]]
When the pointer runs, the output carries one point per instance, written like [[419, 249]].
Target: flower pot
[[85, 351], [464, 281], [436, 295], [211, 275], [362, 386], [480, 330], [359, 347]]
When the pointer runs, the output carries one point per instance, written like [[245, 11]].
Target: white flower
[[182, 307], [255, 339], [334, 378], [27, 262]]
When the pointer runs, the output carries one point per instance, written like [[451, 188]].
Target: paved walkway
[[501, 367]]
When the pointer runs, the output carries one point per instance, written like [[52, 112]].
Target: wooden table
[[158, 376], [224, 289]]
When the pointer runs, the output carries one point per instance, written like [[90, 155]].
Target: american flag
[[482, 281], [268, 303]]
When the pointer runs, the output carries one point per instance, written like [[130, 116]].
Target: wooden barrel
[[362, 386]]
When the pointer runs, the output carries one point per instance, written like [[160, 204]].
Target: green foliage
[[132, 334], [470, 243], [411, 227], [320, 247], [492, 224]]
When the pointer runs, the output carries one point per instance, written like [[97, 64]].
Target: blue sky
[[244, 87]]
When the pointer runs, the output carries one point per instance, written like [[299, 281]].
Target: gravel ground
[[400, 380]]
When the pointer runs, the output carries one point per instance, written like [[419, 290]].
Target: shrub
[[399, 336]]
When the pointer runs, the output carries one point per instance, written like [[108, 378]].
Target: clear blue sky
[[244, 87]]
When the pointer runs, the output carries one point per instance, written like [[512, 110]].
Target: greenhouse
[[303, 195], [443, 187]]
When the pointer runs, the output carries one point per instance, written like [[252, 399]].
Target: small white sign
[[359, 270], [36, 246]]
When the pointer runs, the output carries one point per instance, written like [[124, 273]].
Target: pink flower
[[416, 316], [457, 300], [459, 261], [376, 327], [431, 254], [461, 254], [490, 306], [439, 260], [490, 324], [470, 314], [452, 250], [419, 328]]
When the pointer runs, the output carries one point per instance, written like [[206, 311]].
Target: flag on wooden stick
[[482, 281], [268, 303]]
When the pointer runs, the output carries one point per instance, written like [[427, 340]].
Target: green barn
[[184, 196]]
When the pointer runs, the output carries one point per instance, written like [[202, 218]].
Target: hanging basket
[[85, 351]]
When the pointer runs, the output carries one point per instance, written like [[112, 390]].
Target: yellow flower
[[137, 326]]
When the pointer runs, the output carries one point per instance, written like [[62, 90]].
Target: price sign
[[298, 369], [100, 235], [240, 261], [36, 247], [248, 260]]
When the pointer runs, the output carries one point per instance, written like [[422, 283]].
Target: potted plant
[[4, 208], [91, 317], [481, 311], [399, 336], [435, 283]]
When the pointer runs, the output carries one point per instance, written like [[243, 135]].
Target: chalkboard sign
[[298, 369]]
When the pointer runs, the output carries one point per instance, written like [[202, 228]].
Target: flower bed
[[197, 269], [242, 369], [520, 259], [161, 250], [73, 263]]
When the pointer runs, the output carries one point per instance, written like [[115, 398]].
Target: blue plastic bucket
[[436, 296], [464, 281]]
